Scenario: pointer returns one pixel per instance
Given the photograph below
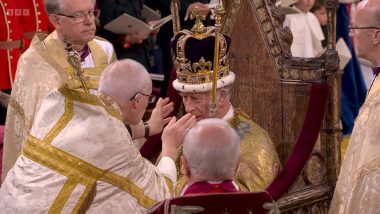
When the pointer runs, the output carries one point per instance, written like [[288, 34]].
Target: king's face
[[196, 104]]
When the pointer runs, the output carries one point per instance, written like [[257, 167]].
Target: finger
[[172, 122], [196, 6], [166, 100], [190, 122], [183, 119], [167, 120], [167, 109], [203, 7], [159, 103], [163, 103], [186, 121]]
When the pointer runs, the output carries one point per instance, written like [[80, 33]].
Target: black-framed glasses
[[151, 98], [353, 27], [81, 16]]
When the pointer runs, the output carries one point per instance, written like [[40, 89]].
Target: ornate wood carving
[[315, 169], [261, 58], [313, 200]]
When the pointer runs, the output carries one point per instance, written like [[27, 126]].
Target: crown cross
[[198, 29]]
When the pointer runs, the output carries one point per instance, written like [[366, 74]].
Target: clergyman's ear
[[54, 19], [223, 97], [376, 38], [186, 169], [135, 102]]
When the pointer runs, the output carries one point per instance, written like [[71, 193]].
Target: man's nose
[[189, 106], [89, 19]]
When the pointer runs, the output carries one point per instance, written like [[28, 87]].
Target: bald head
[[369, 11], [121, 80], [366, 31], [206, 148], [373, 7]]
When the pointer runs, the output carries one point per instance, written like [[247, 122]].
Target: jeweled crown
[[193, 55]]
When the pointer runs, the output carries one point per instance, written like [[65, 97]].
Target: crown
[[193, 55]]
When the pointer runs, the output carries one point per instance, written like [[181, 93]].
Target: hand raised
[[159, 117], [202, 8], [174, 134]]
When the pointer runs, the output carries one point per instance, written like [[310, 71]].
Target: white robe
[[42, 68], [79, 146], [358, 186], [307, 34]]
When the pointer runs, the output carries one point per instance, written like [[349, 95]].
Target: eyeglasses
[[151, 98], [81, 16], [353, 27]]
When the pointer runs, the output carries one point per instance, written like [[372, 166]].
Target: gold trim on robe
[[42, 68], [79, 171], [259, 162], [79, 158]]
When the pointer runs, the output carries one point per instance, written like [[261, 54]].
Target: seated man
[[194, 53], [205, 149], [80, 157]]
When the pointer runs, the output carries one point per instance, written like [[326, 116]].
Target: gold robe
[[80, 157], [358, 186], [259, 162], [42, 68]]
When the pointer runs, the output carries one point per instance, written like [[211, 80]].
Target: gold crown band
[[199, 72], [201, 77]]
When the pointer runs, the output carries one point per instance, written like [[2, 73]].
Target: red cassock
[[205, 187], [36, 21], [11, 41]]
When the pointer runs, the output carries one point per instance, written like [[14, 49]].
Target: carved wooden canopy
[[274, 88]]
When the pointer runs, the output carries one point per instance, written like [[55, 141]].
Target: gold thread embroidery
[[62, 122], [98, 53], [86, 199], [127, 186], [20, 111], [367, 169], [53, 162], [79, 170], [234, 121], [91, 100], [169, 183], [62, 197], [90, 76]]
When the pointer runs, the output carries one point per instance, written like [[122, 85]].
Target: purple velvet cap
[[197, 48]]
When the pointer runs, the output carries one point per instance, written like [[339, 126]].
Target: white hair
[[122, 79], [55, 6], [212, 149], [226, 89]]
